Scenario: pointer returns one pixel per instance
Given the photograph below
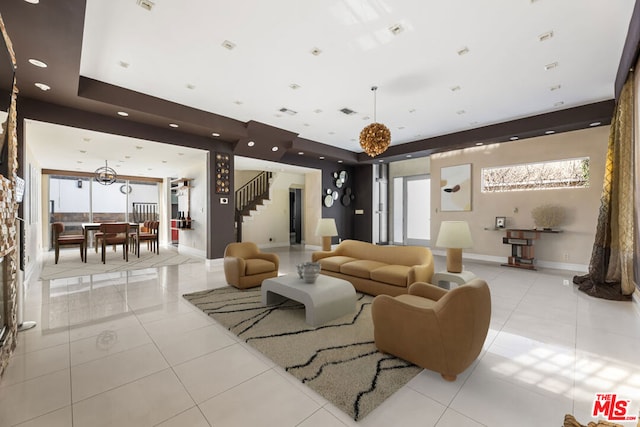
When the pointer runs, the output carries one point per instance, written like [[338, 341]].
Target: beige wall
[[312, 207], [570, 249], [270, 225], [194, 241]]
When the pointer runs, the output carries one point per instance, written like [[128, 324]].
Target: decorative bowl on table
[[309, 271]]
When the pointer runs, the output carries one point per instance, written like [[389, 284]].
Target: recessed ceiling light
[[228, 45], [251, 143], [413, 110], [339, 161], [549, 132], [83, 151], [463, 51], [216, 134], [86, 139], [173, 125], [347, 111], [238, 102], [78, 161], [321, 157], [123, 64], [408, 156], [33, 1], [274, 149], [294, 86], [190, 86], [316, 51], [127, 157], [479, 143], [513, 138], [42, 86], [595, 124], [139, 147], [164, 161], [317, 111], [550, 66], [307, 124], [396, 29], [556, 87], [380, 161], [461, 112], [365, 117], [180, 154], [558, 104], [545, 36], [455, 88], [332, 133], [37, 63], [123, 113], [300, 153], [145, 4]]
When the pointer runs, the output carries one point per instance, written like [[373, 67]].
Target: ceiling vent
[[146, 4], [288, 111], [348, 111]]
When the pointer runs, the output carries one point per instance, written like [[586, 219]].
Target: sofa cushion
[[333, 263], [391, 274], [360, 268], [257, 266]]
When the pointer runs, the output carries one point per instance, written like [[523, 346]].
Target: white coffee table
[[326, 299]]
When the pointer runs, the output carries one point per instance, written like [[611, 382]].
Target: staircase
[[249, 197]]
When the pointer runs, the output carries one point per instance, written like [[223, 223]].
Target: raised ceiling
[[441, 67]]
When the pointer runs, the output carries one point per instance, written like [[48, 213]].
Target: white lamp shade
[[454, 234], [326, 227]]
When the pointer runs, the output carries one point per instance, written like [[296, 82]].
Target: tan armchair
[[436, 329], [246, 267]]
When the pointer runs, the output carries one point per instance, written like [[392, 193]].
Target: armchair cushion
[[257, 266]]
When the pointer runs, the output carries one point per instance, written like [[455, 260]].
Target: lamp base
[[326, 243], [454, 260]]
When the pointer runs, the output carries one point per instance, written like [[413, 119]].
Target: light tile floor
[[125, 349]]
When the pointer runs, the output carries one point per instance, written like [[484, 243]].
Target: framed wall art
[[223, 167], [455, 188]]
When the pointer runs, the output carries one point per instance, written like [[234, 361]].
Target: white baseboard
[[502, 260], [187, 250]]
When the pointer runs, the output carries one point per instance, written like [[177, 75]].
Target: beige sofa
[[376, 270]]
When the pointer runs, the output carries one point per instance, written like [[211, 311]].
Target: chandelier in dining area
[[105, 175]]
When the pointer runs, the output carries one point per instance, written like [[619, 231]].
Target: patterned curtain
[[611, 266]]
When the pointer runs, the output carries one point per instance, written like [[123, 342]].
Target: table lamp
[[326, 228], [454, 235]]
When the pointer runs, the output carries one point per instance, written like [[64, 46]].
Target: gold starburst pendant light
[[375, 138]]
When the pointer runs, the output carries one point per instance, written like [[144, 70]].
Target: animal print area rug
[[338, 360]]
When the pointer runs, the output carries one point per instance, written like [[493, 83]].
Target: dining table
[[88, 227]]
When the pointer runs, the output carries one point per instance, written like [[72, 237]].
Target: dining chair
[[148, 233], [60, 239], [115, 233]]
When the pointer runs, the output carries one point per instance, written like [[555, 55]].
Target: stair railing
[[248, 196]]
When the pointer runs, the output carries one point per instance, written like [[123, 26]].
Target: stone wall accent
[[8, 219]]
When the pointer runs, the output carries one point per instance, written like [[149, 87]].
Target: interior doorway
[[295, 216]]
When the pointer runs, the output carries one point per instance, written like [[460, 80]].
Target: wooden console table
[[522, 250]]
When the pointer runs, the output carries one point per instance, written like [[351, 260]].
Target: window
[[568, 173]]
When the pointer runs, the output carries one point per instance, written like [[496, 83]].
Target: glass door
[[412, 210]]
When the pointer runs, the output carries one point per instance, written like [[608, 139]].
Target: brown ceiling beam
[[558, 121]]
